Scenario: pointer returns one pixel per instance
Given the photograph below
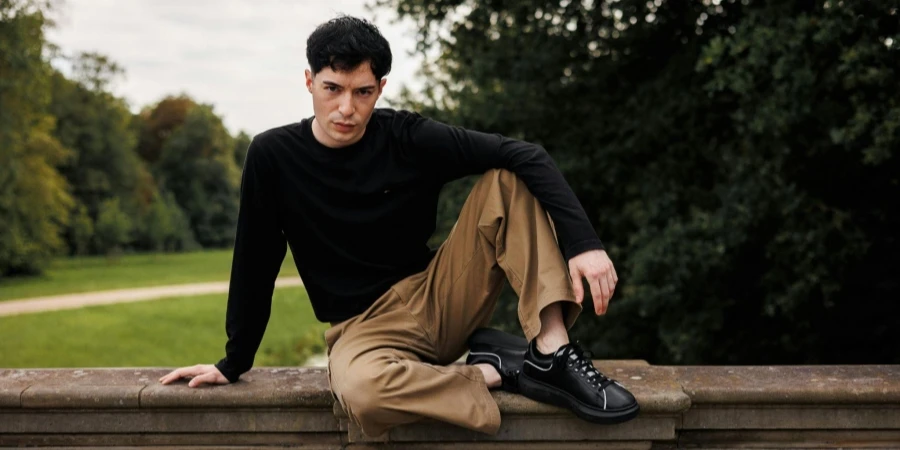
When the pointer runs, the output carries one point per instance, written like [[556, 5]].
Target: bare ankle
[[553, 334], [549, 344], [491, 376]]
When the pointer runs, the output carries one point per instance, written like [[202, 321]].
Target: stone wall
[[682, 407]]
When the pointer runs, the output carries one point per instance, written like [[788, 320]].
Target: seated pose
[[354, 191]]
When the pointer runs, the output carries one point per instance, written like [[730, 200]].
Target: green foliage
[[96, 126], [738, 158], [34, 198], [165, 227], [122, 192], [158, 123], [113, 227], [159, 224], [197, 166], [82, 230]]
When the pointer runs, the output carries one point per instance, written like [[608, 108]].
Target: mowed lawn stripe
[[163, 333], [89, 274]]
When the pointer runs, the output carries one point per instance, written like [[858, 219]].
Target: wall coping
[[680, 405]]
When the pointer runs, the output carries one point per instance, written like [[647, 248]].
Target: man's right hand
[[200, 374]]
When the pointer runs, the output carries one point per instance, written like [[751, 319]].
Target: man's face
[[343, 103]]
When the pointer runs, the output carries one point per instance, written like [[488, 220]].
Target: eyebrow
[[331, 83]]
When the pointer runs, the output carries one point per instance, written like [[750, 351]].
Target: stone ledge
[[715, 407], [876, 384]]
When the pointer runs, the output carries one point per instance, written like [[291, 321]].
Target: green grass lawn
[[172, 332], [85, 274]]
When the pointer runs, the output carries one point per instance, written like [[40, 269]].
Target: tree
[[95, 71], [165, 226], [113, 228], [737, 158], [82, 231], [197, 166], [97, 127], [34, 201], [158, 124]]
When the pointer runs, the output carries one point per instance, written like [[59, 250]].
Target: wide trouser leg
[[382, 371], [386, 364]]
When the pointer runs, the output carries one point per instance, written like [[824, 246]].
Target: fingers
[[599, 292], [607, 292], [611, 279], [575, 273], [176, 374], [603, 285], [601, 274], [184, 372], [206, 378]]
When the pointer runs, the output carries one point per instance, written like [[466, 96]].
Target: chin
[[344, 139], [338, 136]]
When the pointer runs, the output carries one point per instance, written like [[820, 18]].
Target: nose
[[345, 107]]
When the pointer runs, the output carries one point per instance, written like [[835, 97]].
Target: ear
[[381, 86], [309, 80]]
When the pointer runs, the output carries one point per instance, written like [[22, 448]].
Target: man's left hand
[[601, 275]]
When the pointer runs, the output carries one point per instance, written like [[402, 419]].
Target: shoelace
[[580, 360]]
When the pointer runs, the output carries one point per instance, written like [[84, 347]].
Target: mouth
[[344, 126]]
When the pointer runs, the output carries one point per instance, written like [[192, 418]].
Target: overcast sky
[[246, 57]]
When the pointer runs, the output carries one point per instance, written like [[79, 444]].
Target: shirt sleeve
[[454, 152], [259, 249]]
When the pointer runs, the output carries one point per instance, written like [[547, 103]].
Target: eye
[[331, 88], [366, 92]]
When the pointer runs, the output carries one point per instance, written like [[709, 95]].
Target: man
[[354, 192]]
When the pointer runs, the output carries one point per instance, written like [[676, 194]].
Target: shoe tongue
[[570, 350]]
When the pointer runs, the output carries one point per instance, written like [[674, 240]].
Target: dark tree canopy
[[738, 158]]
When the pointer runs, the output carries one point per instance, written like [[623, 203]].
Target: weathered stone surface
[[81, 396], [621, 362], [82, 377], [204, 447], [264, 387], [11, 394], [71, 388], [862, 417], [308, 441], [612, 445], [223, 420], [538, 428], [791, 384], [888, 439], [717, 407]]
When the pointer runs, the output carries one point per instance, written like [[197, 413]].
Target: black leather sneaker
[[504, 351], [568, 379]]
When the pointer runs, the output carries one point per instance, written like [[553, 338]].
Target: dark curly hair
[[345, 42]]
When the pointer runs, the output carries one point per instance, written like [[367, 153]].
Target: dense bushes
[[738, 158]]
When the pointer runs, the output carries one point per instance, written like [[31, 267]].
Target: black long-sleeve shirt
[[358, 218]]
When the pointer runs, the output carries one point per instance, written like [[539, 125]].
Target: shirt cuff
[[227, 370], [581, 247]]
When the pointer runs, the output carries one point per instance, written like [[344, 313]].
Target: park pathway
[[80, 300]]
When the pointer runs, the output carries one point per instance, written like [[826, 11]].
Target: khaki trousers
[[389, 365]]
